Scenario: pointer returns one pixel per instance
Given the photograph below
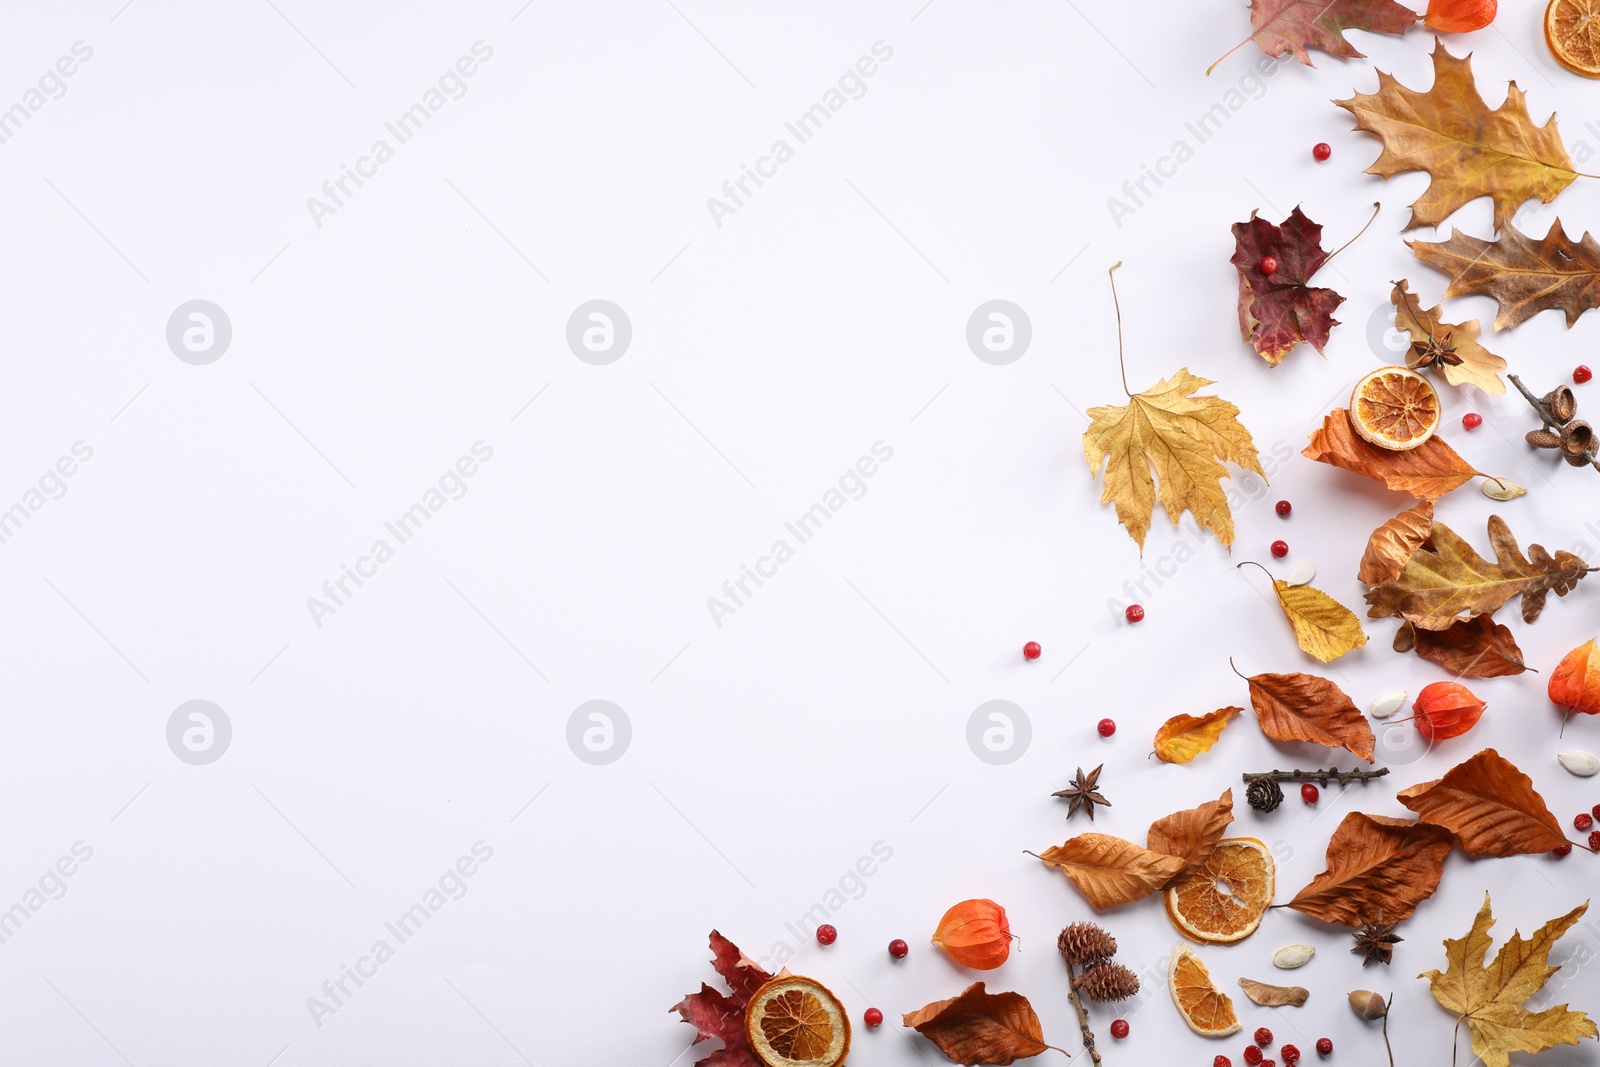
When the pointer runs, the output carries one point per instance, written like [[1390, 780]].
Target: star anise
[[1083, 794], [1376, 941], [1435, 353]]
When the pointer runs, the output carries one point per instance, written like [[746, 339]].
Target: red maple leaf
[[1292, 26], [714, 1014], [1279, 310]]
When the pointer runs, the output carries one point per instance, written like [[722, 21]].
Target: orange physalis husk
[[1575, 683], [976, 934], [1459, 16], [1446, 709]]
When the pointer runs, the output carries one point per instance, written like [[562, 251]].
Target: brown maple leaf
[[1477, 647], [980, 1027], [1468, 150], [714, 1014], [1451, 349], [1490, 806], [1303, 707], [1284, 27], [1525, 276], [1427, 472], [1277, 311], [1377, 867]]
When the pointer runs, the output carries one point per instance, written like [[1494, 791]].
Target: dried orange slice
[[1572, 33], [1226, 896], [1395, 408], [796, 1022], [1206, 1009]]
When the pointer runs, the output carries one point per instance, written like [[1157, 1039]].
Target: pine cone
[[1109, 981], [1086, 943], [1264, 794]]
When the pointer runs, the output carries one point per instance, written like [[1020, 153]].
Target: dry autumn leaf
[[1183, 737], [1192, 834], [1392, 543], [1490, 998], [1525, 276], [1427, 472], [979, 1027], [1279, 310], [1284, 27], [1378, 869], [1446, 580], [1477, 647], [1468, 150], [1323, 627], [1111, 872], [1303, 707], [1490, 806], [1451, 349], [713, 1014]]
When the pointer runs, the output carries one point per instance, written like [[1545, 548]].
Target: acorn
[[1367, 1004]]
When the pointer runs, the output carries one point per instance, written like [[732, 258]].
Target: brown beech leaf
[[979, 1027], [1192, 834], [1427, 472], [1378, 868], [1452, 350], [1524, 275], [1392, 543], [714, 1014], [1274, 996], [1279, 310], [1490, 806], [1477, 647], [1303, 707], [1183, 737], [1446, 580], [1111, 872]]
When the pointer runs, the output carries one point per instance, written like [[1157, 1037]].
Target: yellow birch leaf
[[1323, 627], [1183, 737]]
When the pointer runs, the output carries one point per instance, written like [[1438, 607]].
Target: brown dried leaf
[[1392, 543], [979, 1027], [1303, 707], [1377, 868], [1477, 647], [1192, 835], [1183, 737], [1427, 472], [1274, 996], [1490, 806], [1525, 275], [1111, 872], [1452, 350]]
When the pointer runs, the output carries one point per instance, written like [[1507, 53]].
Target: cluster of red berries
[[1281, 548], [827, 934], [1291, 1055], [1582, 821]]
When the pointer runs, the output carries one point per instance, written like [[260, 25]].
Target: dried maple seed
[[1459, 16], [1324, 1047], [1280, 549], [1308, 793], [1134, 613], [1472, 420], [872, 1017], [1119, 1028], [1446, 709], [1562, 850], [1320, 151], [1583, 822], [1031, 650], [898, 949], [1283, 507], [1269, 265], [1263, 1036], [1581, 374], [826, 935], [1252, 1056], [1106, 727], [976, 934]]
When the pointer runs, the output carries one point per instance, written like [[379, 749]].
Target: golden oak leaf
[[1323, 627], [1525, 276], [1490, 997], [1451, 349], [1446, 579], [1478, 647], [1111, 872], [1303, 707], [1427, 472], [1192, 834], [1379, 869], [1168, 433], [1490, 806], [1183, 737], [1468, 150], [1392, 543], [980, 1027]]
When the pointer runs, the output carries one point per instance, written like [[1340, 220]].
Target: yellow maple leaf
[[1166, 440], [1490, 998], [1183, 737], [1469, 150]]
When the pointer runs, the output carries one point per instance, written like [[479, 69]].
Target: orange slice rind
[[1206, 1009], [793, 1021], [1224, 899], [1395, 408], [1572, 33]]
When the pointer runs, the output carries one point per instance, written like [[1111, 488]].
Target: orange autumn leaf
[[1427, 472], [1490, 806], [1109, 871], [1575, 683], [1392, 543], [1192, 834], [1303, 707], [1183, 737], [1479, 647], [980, 1027], [1378, 868]]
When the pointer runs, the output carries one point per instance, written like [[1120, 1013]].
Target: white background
[[768, 354]]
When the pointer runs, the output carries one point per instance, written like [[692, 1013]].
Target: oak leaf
[[1169, 433], [1490, 806], [1446, 579], [1279, 310], [1111, 872], [1283, 27], [979, 1027], [1477, 647], [1379, 869], [1490, 998], [1303, 707], [1183, 737], [1323, 627], [1192, 834], [1427, 472], [1392, 543], [1524, 276], [1468, 150], [714, 1014], [1450, 348]]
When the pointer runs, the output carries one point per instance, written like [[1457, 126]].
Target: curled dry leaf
[[1183, 737], [1274, 996], [979, 1027], [1478, 647], [1192, 834], [1377, 867], [1452, 350], [1427, 472], [1575, 683], [1524, 275], [1490, 806], [1323, 627], [1279, 310], [1111, 872], [1446, 580], [1303, 707], [1392, 543]]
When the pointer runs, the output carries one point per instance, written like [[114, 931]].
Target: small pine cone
[[1086, 943], [1264, 795], [1109, 981]]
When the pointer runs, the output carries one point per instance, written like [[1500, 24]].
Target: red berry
[[872, 1016], [1581, 374], [1324, 1047], [1283, 507], [1309, 794], [1472, 420], [1222, 1061], [1562, 850], [1134, 613], [1594, 841], [1290, 1054], [1595, 811], [1582, 821], [1269, 1063], [1031, 650], [898, 949], [1263, 1036], [826, 935], [1106, 727], [1269, 265], [1280, 549], [1119, 1028], [1252, 1056], [1320, 151]]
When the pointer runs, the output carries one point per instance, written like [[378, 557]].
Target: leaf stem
[[1375, 208], [1253, 563], [1121, 363], [1231, 51], [1389, 1004]]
